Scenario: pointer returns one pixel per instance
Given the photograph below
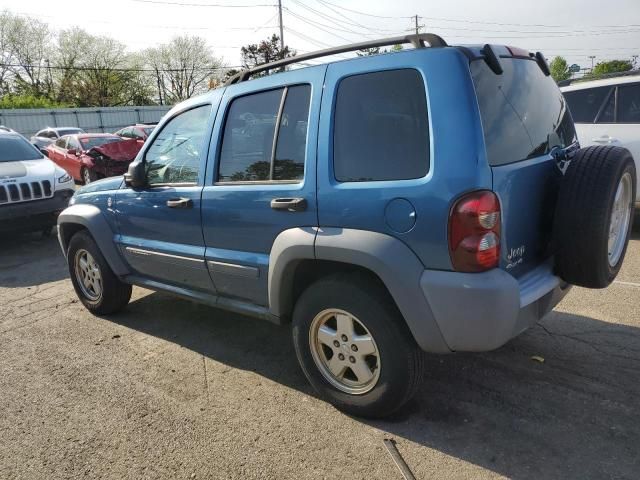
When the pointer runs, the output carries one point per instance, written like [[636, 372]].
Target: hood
[[123, 151], [27, 170], [110, 183]]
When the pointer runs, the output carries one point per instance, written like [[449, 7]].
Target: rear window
[[381, 129], [90, 142], [523, 113], [14, 148]]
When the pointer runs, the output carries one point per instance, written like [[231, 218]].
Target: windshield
[[90, 142], [14, 148], [148, 130], [69, 131], [524, 115]]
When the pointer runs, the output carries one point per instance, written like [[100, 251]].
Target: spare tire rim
[[620, 216], [344, 351], [88, 275]]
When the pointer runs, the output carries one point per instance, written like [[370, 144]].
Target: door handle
[[289, 204], [180, 203]]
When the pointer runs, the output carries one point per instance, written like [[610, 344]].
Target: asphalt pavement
[[172, 389]]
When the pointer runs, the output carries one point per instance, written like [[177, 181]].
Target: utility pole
[[281, 28], [592, 57], [417, 27]]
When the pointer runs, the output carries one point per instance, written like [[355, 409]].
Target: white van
[[607, 112]]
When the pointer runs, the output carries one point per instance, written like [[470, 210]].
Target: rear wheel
[[594, 216], [354, 347], [97, 287]]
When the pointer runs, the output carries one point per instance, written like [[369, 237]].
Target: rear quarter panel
[[457, 162]]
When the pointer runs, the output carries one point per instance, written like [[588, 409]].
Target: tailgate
[[524, 117]]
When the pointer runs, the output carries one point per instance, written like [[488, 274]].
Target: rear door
[[521, 127], [261, 178], [627, 127]]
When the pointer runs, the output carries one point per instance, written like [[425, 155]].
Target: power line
[[323, 26], [335, 19], [357, 11], [218, 5], [109, 69]]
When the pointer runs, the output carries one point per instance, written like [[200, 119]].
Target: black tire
[[401, 360], [583, 215], [115, 294]]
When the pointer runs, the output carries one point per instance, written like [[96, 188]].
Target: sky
[[574, 29]]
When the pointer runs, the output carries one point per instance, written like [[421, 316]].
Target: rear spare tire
[[594, 216]]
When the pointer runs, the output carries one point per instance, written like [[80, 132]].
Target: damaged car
[[89, 157]]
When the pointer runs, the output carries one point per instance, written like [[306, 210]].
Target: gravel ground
[[171, 389]]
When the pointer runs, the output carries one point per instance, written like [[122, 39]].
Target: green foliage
[[613, 66], [559, 69], [28, 101], [264, 52]]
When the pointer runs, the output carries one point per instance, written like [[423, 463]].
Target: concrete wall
[[103, 119]]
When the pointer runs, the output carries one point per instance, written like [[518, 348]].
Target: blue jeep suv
[[430, 200]]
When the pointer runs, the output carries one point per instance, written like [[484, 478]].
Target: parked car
[[607, 112], [139, 131], [6, 129], [90, 156], [385, 205], [47, 136], [33, 190]]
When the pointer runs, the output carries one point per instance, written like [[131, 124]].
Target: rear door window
[[247, 153], [381, 127], [629, 103], [585, 104], [523, 113]]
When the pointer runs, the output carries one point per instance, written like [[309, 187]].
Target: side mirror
[[136, 176]]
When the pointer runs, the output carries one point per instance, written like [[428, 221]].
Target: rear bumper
[[34, 214], [482, 311]]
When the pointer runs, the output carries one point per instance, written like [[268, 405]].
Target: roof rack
[[418, 41], [604, 76]]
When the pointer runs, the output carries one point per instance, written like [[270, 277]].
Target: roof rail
[[418, 41]]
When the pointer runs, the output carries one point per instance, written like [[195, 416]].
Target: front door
[[261, 180], [160, 233]]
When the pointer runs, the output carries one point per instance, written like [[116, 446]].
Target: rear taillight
[[474, 232]]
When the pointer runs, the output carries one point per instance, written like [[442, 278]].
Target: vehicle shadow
[[28, 259], [573, 415]]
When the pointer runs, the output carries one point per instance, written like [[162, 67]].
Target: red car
[[88, 157]]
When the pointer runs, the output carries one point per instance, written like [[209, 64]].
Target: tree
[[30, 46], [183, 67], [264, 52], [366, 52], [559, 69], [24, 53], [612, 66]]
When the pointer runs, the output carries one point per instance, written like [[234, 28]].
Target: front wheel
[[88, 176], [97, 287], [354, 347]]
